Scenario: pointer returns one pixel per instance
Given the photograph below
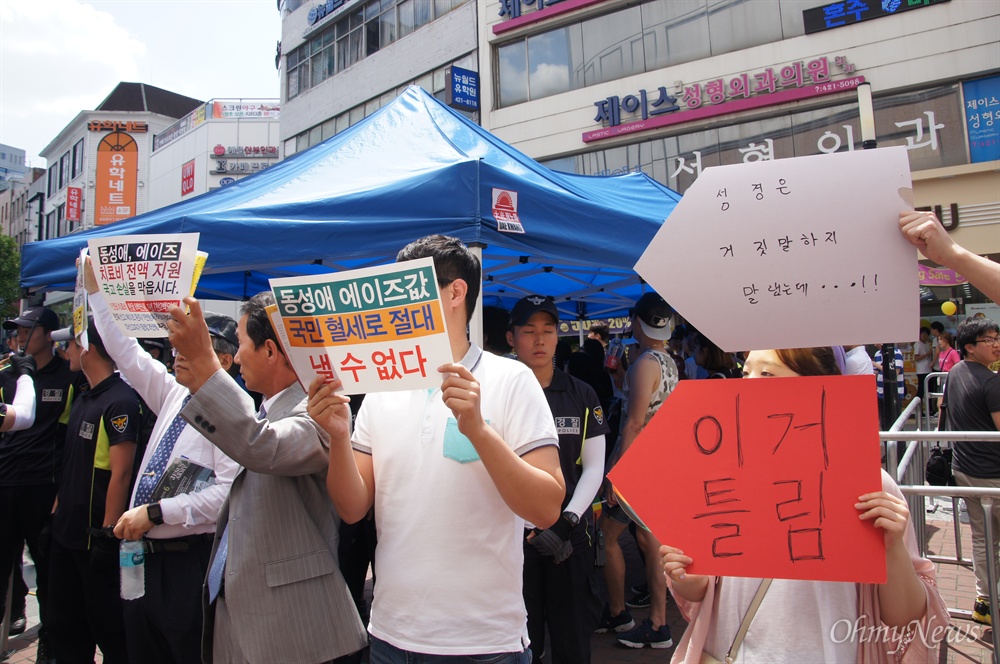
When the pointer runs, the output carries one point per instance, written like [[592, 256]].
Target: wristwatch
[[571, 517], [155, 514]]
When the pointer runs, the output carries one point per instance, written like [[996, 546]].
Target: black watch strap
[[154, 513]]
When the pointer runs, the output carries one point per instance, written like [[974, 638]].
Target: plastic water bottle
[[132, 560]]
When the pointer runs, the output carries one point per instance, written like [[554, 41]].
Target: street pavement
[[965, 643]]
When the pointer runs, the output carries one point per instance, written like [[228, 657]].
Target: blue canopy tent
[[413, 168]]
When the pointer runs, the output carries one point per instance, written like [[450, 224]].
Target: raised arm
[[350, 478], [925, 232]]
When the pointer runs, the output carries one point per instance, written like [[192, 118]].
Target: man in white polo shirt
[[453, 473]]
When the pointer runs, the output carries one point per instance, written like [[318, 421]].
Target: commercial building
[[12, 163], [670, 87], [99, 164], [218, 143], [342, 60]]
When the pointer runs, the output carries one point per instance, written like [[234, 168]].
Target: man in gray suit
[[274, 592]]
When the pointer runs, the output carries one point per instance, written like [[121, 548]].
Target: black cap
[[655, 316], [527, 307], [153, 342], [223, 327], [44, 316]]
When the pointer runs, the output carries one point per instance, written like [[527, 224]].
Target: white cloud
[[57, 58]]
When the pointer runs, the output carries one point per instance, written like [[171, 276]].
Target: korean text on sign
[[375, 329], [772, 471]]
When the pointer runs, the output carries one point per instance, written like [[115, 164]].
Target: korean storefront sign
[[772, 472], [462, 88], [240, 109], [118, 125], [143, 277], [698, 101], [982, 118], [376, 329], [116, 176], [847, 12], [73, 197]]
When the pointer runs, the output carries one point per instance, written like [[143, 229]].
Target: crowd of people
[[474, 502]]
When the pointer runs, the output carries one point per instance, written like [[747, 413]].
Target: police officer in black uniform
[[31, 460], [559, 572]]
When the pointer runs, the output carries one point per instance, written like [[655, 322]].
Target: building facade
[[12, 163], [99, 164], [670, 87], [218, 143], [342, 60]]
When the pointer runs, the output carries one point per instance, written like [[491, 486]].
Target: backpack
[[938, 469]]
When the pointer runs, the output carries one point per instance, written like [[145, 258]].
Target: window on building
[[64, 170], [60, 215], [50, 225], [362, 32], [53, 184], [77, 159], [633, 40]]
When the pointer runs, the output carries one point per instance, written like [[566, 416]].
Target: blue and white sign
[[463, 89], [982, 118]]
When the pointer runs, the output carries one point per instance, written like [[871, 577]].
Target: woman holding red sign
[[901, 620]]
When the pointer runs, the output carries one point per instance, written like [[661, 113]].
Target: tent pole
[[476, 324]]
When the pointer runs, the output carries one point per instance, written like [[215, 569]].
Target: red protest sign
[[759, 478]]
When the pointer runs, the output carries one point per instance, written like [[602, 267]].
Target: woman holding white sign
[[901, 620]]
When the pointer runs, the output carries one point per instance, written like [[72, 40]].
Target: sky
[[60, 57]]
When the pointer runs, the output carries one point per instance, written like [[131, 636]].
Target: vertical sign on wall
[[187, 178], [982, 118], [73, 195], [117, 176]]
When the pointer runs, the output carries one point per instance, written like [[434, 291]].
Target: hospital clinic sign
[[116, 178]]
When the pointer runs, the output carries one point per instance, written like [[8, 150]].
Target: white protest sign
[[376, 329], [143, 277], [80, 303], [792, 253]]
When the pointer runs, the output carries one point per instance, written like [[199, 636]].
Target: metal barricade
[[987, 496]]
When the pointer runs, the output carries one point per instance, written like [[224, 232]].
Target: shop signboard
[[116, 178], [982, 118], [462, 90], [848, 12]]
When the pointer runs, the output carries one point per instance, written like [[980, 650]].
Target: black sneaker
[[981, 611], [18, 625], [644, 635], [620, 623], [638, 601]]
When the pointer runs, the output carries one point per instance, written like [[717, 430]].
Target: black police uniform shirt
[[106, 415], [578, 415], [34, 456]]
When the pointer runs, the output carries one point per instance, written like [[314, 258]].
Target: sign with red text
[[376, 329], [116, 173], [759, 478], [143, 277], [784, 261], [73, 197]]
